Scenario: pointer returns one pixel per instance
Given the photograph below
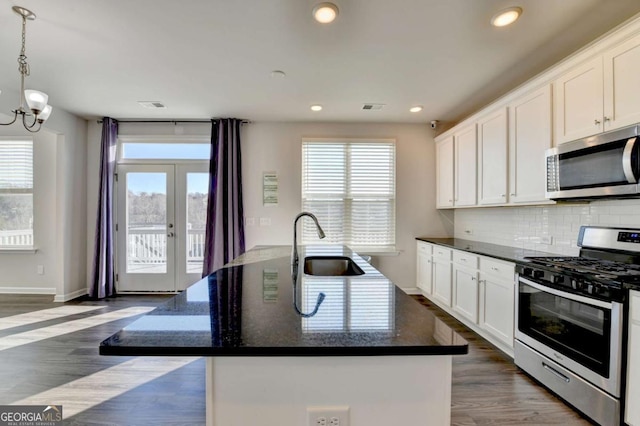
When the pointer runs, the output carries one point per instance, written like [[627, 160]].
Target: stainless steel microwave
[[605, 165]]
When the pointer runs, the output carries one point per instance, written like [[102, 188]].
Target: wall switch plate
[[265, 221], [40, 269], [250, 221], [328, 416]]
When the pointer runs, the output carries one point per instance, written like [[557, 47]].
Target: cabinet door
[[497, 307], [442, 281], [465, 293], [424, 272], [622, 85], [578, 102], [632, 410], [465, 178], [492, 158], [529, 138], [444, 172]]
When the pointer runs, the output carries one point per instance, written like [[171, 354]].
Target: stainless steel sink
[[331, 266]]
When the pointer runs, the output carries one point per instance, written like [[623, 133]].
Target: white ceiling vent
[[152, 104], [372, 107]]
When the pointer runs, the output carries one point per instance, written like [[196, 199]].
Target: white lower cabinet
[[424, 269], [465, 285], [477, 290], [441, 273], [632, 408], [497, 314]]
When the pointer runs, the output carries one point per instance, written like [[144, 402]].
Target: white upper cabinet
[[599, 95], [622, 85], [465, 178], [578, 102], [444, 173], [529, 138], [492, 158]]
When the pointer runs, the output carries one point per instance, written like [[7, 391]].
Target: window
[[350, 186], [16, 192]]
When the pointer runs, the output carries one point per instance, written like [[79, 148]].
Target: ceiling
[[214, 58]]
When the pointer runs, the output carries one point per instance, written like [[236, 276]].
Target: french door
[[161, 216]]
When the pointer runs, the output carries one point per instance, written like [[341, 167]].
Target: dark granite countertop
[[510, 254], [247, 309]]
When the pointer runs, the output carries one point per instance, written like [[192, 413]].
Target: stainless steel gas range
[[570, 320]]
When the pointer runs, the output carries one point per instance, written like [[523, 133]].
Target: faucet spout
[[294, 251]]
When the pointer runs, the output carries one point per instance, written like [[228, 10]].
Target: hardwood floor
[[52, 358]]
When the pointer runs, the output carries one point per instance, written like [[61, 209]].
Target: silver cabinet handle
[[170, 234], [170, 225], [513, 194], [607, 119], [596, 121]]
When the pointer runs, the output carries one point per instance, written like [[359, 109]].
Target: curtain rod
[[242, 121]]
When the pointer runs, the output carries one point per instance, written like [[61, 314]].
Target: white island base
[[413, 390]]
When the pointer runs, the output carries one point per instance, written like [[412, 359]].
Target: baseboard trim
[[27, 290], [70, 296], [411, 290]]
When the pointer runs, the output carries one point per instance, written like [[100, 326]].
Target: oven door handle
[[570, 296], [555, 372], [627, 156]]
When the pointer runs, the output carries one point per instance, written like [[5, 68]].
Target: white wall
[[525, 226], [277, 147], [59, 210]]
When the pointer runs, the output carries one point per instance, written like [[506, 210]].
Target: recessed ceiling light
[[152, 104], [325, 13], [416, 108], [506, 17], [316, 108]]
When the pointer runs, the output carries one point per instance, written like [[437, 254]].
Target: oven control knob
[[527, 272], [574, 284], [538, 274], [558, 279]]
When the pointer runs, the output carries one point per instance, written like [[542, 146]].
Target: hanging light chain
[[23, 66]]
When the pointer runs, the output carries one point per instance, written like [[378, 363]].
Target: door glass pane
[[166, 151], [146, 223], [197, 190]]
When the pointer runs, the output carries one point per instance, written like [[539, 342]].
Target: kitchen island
[[276, 349]]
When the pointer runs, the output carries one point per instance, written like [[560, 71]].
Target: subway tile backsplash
[[550, 228]]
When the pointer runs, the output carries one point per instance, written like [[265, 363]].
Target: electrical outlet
[[40, 269], [328, 416], [468, 231], [546, 239], [250, 221], [265, 221]]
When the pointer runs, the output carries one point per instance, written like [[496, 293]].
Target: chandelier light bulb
[[36, 100], [416, 108], [325, 13], [46, 112], [316, 108]]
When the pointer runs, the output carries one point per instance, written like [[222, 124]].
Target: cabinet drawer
[[442, 253], [465, 259], [504, 270], [424, 248], [635, 306]]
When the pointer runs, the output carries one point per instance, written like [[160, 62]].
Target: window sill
[[376, 251], [17, 250]]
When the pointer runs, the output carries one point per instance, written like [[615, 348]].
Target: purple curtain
[[103, 283], [224, 239]]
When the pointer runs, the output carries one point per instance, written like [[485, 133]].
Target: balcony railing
[[149, 247], [17, 238]]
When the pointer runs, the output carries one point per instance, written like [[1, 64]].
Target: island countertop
[[247, 309]]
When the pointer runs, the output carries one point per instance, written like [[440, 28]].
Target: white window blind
[[350, 186], [16, 192]]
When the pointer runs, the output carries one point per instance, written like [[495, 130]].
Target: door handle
[[170, 225], [170, 234]]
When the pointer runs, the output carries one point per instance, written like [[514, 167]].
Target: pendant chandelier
[[36, 101]]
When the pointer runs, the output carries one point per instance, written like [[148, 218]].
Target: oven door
[[580, 333]]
